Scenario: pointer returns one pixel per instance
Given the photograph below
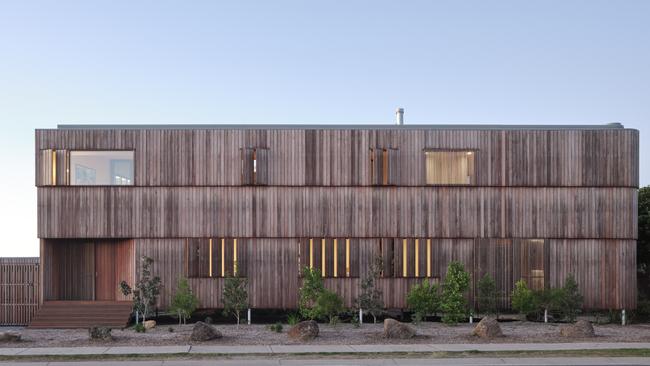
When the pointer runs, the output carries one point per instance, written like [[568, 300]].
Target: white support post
[[360, 316], [623, 320], [545, 315], [249, 316], [471, 319], [137, 318]]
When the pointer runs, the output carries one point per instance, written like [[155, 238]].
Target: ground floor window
[[215, 257], [334, 257]]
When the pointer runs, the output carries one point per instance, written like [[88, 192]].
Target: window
[[450, 167], [215, 257], [406, 257], [532, 258], [384, 166], [101, 168], [54, 167], [334, 257], [254, 166]]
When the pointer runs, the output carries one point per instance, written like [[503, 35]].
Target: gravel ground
[[515, 332]]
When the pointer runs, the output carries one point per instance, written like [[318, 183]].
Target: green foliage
[[234, 296], [643, 244], [184, 302], [312, 287], [571, 300], [139, 328], [549, 299], [523, 299], [293, 318], [487, 295], [170, 330], [328, 305], [146, 291], [370, 297], [277, 327], [423, 299], [453, 303]]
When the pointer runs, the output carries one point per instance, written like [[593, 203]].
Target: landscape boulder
[[204, 332], [100, 333], [581, 329], [397, 330], [9, 336], [303, 331], [149, 324], [488, 327]]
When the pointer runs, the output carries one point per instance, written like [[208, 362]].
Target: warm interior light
[[311, 253], [210, 261], [322, 243], [417, 259], [404, 261], [53, 167], [428, 257], [336, 267], [347, 257], [469, 153], [223, 258]]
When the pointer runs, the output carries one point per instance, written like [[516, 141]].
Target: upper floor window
[[450, 167], [254, 166], [101, 168], [384, 166]]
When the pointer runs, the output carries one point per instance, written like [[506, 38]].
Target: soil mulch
[[258, 334]]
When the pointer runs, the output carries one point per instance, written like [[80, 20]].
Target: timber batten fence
[[19, 290]]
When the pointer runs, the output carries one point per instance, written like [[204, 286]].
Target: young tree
[[549, 301], [454, 304], [312, 287], [328, 305], [370, 296], [423, 299], [571, 298], [487, 295], [184, 302], [234, 296], [146, 291], [523, 300]]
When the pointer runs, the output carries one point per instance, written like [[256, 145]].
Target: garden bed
[[345, 333]]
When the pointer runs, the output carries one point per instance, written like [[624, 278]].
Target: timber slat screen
[[538, 204], [19, 290]]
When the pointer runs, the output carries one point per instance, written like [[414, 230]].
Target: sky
[[506, 62]]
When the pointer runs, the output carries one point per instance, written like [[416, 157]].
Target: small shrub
[[571, 299], [453, 303], [549, 299], [277, 327], [170, 330], [523, 300], [355, 320], [139, 328], [208, 320], [423, 299], [184, 303], [370, 296], [293, 319], [328, 305], [487, 295], [235, 297], [312, 287], [146, 290]]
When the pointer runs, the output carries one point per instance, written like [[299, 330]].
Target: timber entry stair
[[82, 314]]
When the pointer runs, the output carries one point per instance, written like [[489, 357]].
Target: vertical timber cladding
[[19, 290], [575, 189]]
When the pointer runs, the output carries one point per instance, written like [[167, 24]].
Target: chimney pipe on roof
[[399, 116]]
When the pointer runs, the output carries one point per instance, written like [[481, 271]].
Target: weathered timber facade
[[205, 202]]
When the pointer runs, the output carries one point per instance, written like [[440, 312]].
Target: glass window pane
[[449, 167], [105, 168]]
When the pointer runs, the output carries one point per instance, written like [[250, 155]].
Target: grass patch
[[619, 352]]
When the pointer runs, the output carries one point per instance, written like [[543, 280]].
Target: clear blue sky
[[513, 62]]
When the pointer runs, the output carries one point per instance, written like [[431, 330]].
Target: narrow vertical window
[[323, 255], [311, 253], [223, 258], [335, 253], [428, 257], [404, 258], [347, 257], [234, 257], [417, 258], [210, 254], [53, 167]]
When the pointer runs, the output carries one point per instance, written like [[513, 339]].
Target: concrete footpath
[[320, 349]]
